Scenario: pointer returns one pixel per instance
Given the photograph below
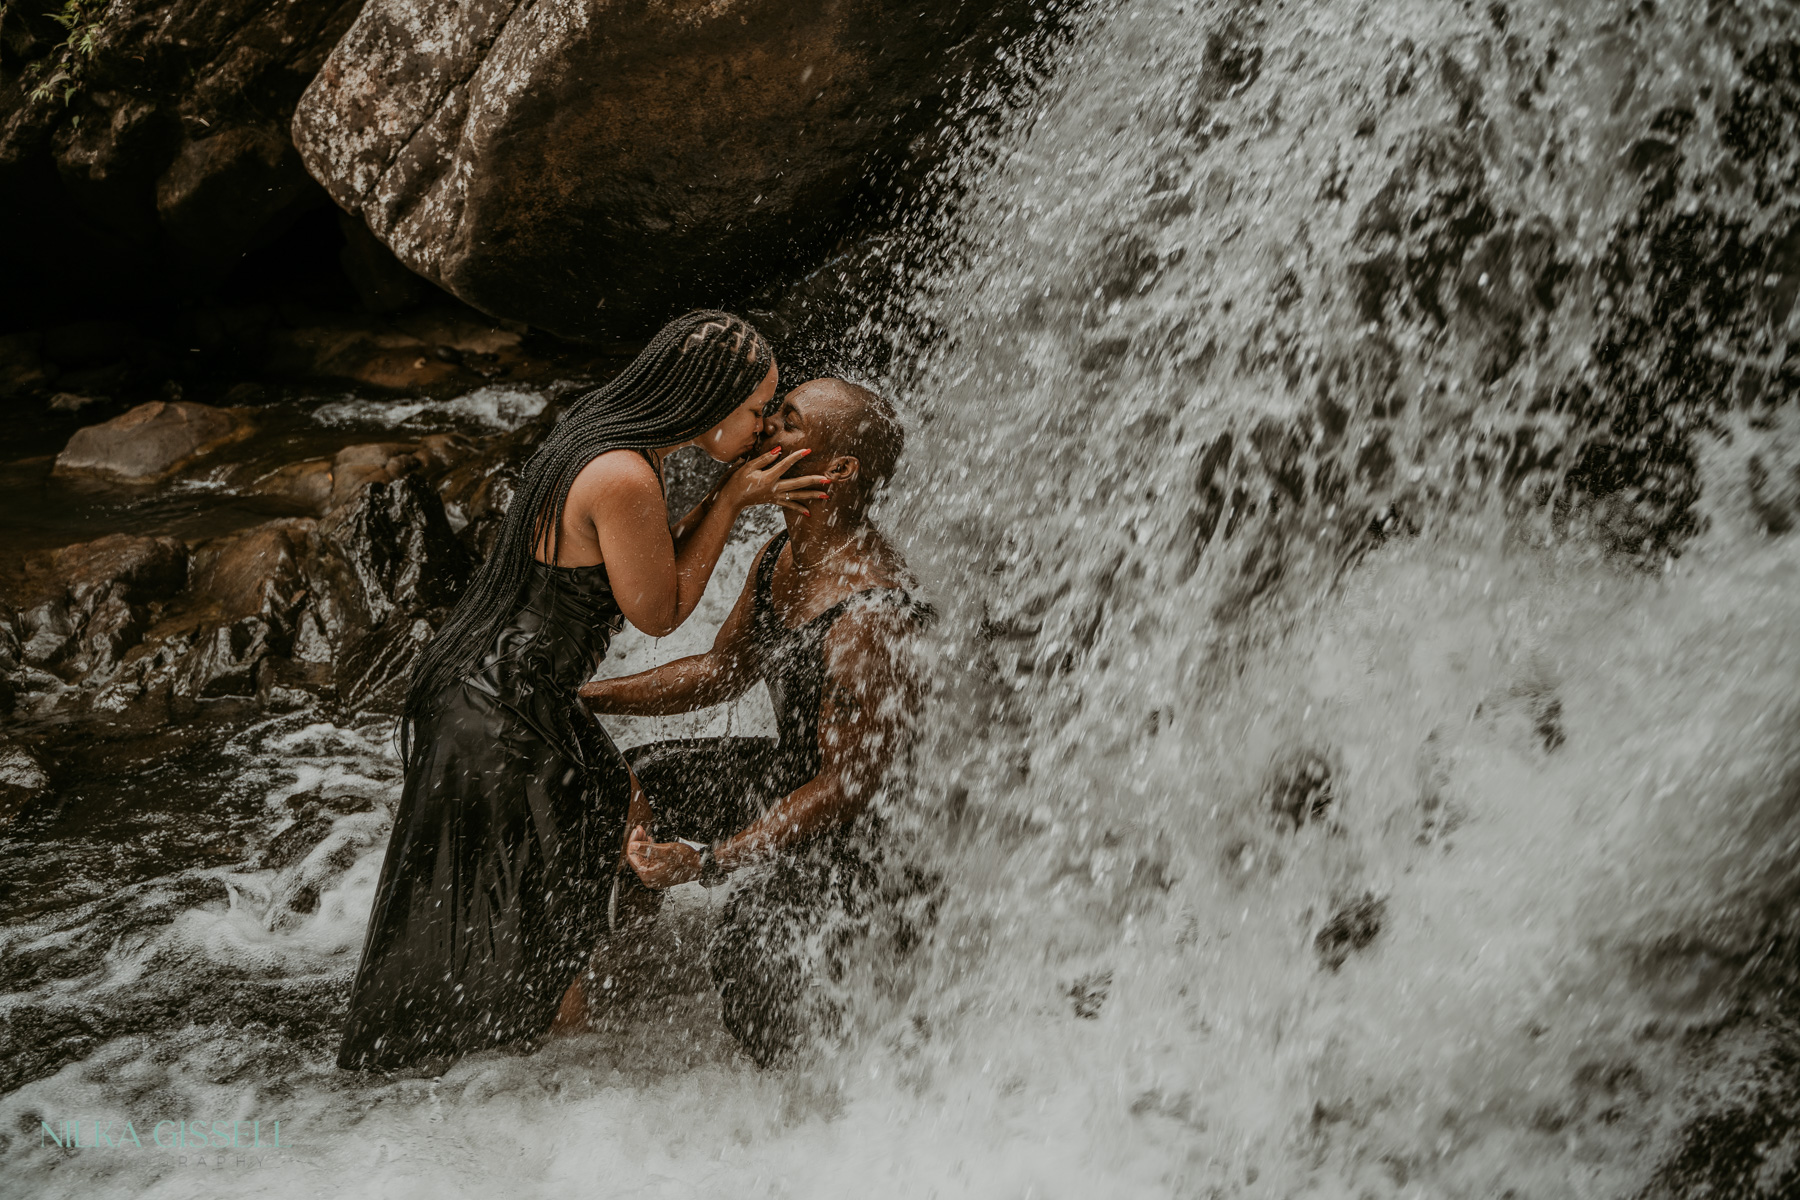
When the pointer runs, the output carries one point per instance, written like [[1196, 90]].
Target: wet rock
[[438, 452], [374, 462], [1353, 927], [585, 175], [73, 401], [22, 780], [114, 626], [316, 854], [388, 569], [391, 359], [1299, 789], [151, 442], [304, 485], [296, 841], [82, 607], [238, 609], [150, 568], [477, 490]]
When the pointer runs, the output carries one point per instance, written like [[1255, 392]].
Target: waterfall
[[1366, 690]]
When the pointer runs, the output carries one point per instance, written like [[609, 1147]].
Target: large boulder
[[151, 442], [587, 166]]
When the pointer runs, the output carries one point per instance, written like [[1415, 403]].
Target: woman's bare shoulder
[[618, 473]]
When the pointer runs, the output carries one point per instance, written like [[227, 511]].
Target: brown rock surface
[[22, 779], [239, 608], [151, 442], [371, 462], [305, 485], [585, 167], [254, 573], [79, 609]]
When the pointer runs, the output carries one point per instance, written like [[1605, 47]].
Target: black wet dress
[[786, 921], [511, 818]]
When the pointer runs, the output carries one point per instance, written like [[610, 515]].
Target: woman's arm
[[723, 673], [656, 581]]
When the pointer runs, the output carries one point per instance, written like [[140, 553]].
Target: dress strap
[[765, 570], [894, 595]]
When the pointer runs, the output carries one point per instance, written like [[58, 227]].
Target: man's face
[[798, 422]]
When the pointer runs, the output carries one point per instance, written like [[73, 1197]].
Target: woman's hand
[[761, 481], [661, 864]]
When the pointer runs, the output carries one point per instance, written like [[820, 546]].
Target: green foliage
[[62, 69]]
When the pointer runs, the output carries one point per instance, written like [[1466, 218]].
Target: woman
[[512, 814]]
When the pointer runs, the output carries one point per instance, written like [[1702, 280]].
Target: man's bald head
[[859, 423]]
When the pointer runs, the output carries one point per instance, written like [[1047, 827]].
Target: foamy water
[[1538, 919], [495, 406]]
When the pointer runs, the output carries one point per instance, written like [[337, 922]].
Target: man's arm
[[871, 697], [722, 673]]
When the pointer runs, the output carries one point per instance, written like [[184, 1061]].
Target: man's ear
[[843, 468]]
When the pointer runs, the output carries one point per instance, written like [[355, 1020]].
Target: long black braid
[[689, 378]]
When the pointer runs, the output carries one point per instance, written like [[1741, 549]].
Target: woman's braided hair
[[694, 372]]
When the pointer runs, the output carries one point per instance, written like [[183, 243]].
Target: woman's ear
[[843, 468]]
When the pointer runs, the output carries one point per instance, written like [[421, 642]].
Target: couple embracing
[[522, 832]]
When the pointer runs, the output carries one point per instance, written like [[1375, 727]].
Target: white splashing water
[[495, 406], [1558, 865]]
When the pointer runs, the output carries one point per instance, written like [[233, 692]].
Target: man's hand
[[661, 864]]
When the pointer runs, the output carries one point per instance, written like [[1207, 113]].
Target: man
[[825, 620]]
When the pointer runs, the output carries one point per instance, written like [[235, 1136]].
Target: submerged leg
[[761, 960]]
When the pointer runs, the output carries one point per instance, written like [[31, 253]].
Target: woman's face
[[736, 435]]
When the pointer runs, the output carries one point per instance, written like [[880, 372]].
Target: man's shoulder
[[877, 624]]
